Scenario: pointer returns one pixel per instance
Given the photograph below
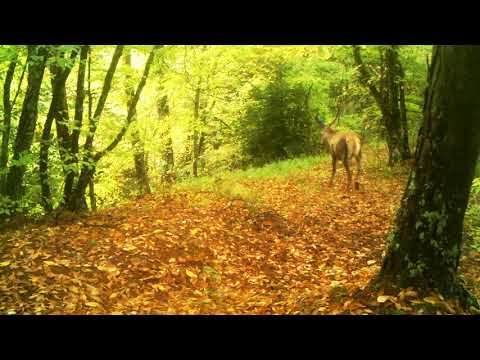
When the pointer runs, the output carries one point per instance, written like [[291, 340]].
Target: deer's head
[[327, 130]]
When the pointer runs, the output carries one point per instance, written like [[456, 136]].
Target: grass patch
[[235, 185], [277, 170]]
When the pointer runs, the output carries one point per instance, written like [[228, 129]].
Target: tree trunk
[[7, 119], [69, 143], [37, 56], [140, 161], [167, 155], [91, 194], [139, 156], [425, 244], [195, 132], [75, 201], [59, 110], [89, 162], [403, 112], [389, 100], [46, 200]]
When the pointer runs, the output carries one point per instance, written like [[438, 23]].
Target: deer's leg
[[359, 171], [349, 173], [334, 169]]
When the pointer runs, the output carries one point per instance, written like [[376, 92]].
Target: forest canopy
[[203, 110]]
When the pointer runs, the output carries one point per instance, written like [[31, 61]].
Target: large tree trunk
[[37, 56], [425, 244]]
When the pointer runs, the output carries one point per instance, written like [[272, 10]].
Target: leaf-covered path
[[305, 248]]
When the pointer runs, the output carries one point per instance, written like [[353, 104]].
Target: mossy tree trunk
[[425, 244]]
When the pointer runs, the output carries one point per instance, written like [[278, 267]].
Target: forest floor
[[297, 246]]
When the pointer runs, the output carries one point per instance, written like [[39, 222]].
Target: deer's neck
[[329, 135]]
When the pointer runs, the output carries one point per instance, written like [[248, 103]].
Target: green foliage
[[255, 108], [278, 124]]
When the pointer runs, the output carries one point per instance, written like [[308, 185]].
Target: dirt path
[[305, 249]]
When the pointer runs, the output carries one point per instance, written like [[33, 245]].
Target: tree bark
[[389, 100], [91, 195], [403, 111], [139, 156], [425, 244], [7, 119], [75, 201], [37, 56], [69, 143], [59, 110], [196, 111]]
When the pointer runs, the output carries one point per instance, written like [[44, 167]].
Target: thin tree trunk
[[70, 142], [76, 199], [7, 119], [139, 156], [403, 113], [195, 132], [425, 243], [90, 161], [388, 99], [91, 194], [37, 56], [59, 110]]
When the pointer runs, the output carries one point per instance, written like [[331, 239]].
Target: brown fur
[[344, 146]]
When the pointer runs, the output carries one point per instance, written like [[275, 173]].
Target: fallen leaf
[[191, 274], [92, 304], [383, 298]]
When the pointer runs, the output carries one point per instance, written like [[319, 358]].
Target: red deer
[[343, 146]]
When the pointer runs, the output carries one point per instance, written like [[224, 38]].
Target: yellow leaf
[[107, 268], [159, 287], [191, 274], [129, 247], [383, 298], [4, 263], [371, 262], [194, 231], [48, 262], [117, 313], [430, 300], [93, 290], [92, 304]]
